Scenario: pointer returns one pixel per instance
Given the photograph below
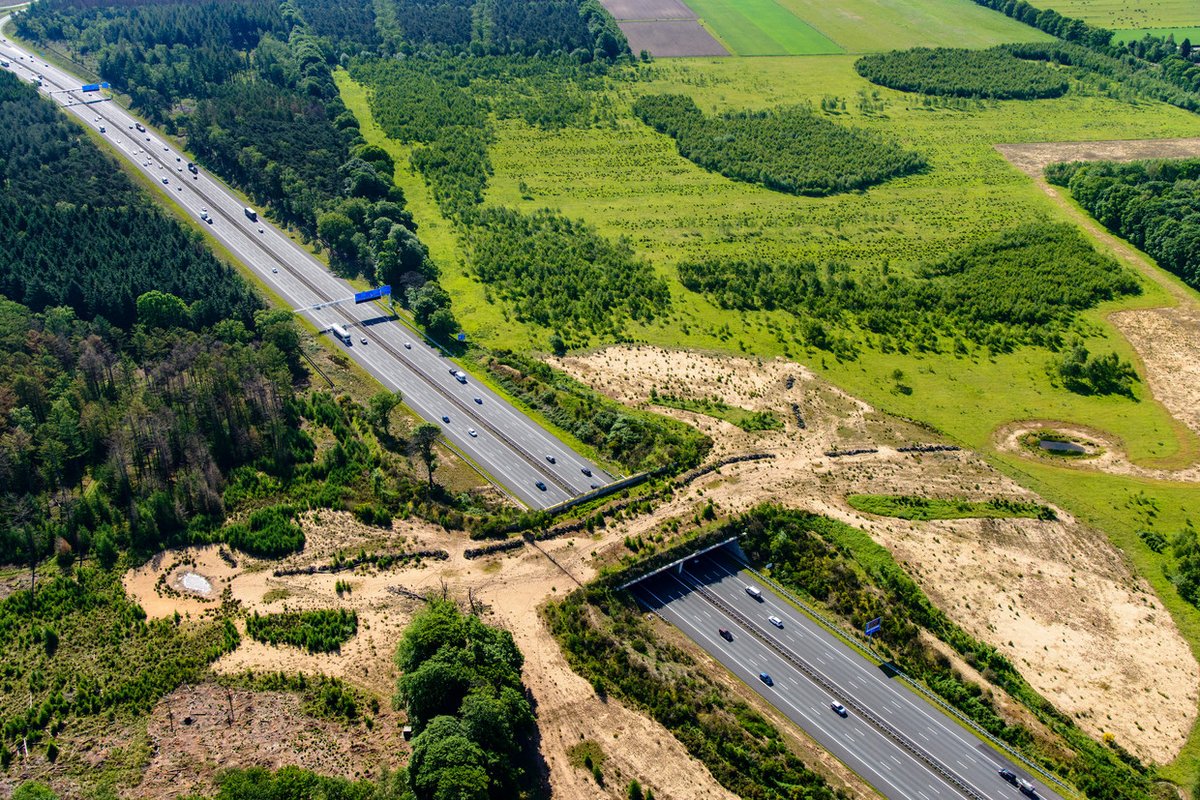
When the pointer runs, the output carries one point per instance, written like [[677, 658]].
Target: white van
[[754, 592]]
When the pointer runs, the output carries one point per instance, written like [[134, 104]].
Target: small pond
[[195, 582], [1069, 448]]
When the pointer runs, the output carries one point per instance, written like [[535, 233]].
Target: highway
[[511, 449], [710, 594]]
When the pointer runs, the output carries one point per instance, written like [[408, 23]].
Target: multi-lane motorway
[[932, 757], [508, 447]]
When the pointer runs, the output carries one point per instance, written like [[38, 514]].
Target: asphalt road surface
[[874, 755], [511, 449]]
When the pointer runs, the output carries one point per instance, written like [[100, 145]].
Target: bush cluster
[[994, 73], [320, 631], [786, 149], [269, 532], [461, 686]]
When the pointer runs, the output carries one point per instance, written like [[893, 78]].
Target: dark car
[[586, 471], [839, 709], [1008, 775], [552, 459], [540, 485], [445, 418], [765, 678], [725, 634]]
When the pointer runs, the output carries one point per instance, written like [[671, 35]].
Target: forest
[[996, 73], [785, 149], [76, 232], [460, 684], [1152, 204], [1020, 287]]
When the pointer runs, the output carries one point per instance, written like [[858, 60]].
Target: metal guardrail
[[845, 698], [923, 690]]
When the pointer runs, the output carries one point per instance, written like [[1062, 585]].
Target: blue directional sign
[[372, 294], [91, 87], [873, 626]]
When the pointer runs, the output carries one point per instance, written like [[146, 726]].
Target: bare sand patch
[[1112, 458], [1044, 593]]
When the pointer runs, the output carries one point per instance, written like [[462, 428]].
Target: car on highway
[[586, 471], [755, 592], [551, 459], [725, 634], [479, 400], [445, 418], [1008, 775], [165, 180], [408, 345], [472, 432], [103, 129], [776, 621], [363, 339], [540, 485], [839, 709], [1027, 788], [765, 678], [274, 269]]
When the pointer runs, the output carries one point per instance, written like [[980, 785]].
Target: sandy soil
[[1167, 340], [1051, 595]]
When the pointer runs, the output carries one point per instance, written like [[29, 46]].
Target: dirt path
[[1167, 339]]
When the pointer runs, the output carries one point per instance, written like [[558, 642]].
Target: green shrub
[[270, 532], [321, 631]]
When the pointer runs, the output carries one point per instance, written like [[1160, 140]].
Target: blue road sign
[[462, 337], [91, 87], [372, 294], [873, 626]]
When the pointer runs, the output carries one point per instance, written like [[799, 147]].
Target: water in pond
[[195, 583], [1061, 447]]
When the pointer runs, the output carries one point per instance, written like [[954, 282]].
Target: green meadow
[[1120, 14], [761, 28]]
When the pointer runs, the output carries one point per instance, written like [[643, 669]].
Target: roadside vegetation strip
[[996, 73], [789, 149], [927, 508], [847, 698], [607, 640]]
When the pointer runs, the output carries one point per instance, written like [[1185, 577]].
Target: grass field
[[1122, 14], [760, 28], [1180, 34], [867, 26], [925, 508]]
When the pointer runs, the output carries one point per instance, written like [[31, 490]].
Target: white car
[[408, 345], [776, 621], [471, 432], [363, 340], [274, 269], [165, 180]]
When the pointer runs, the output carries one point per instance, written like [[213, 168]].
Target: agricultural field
[[1121, 14], [869, 26], [761, 28], [1180, 33]]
